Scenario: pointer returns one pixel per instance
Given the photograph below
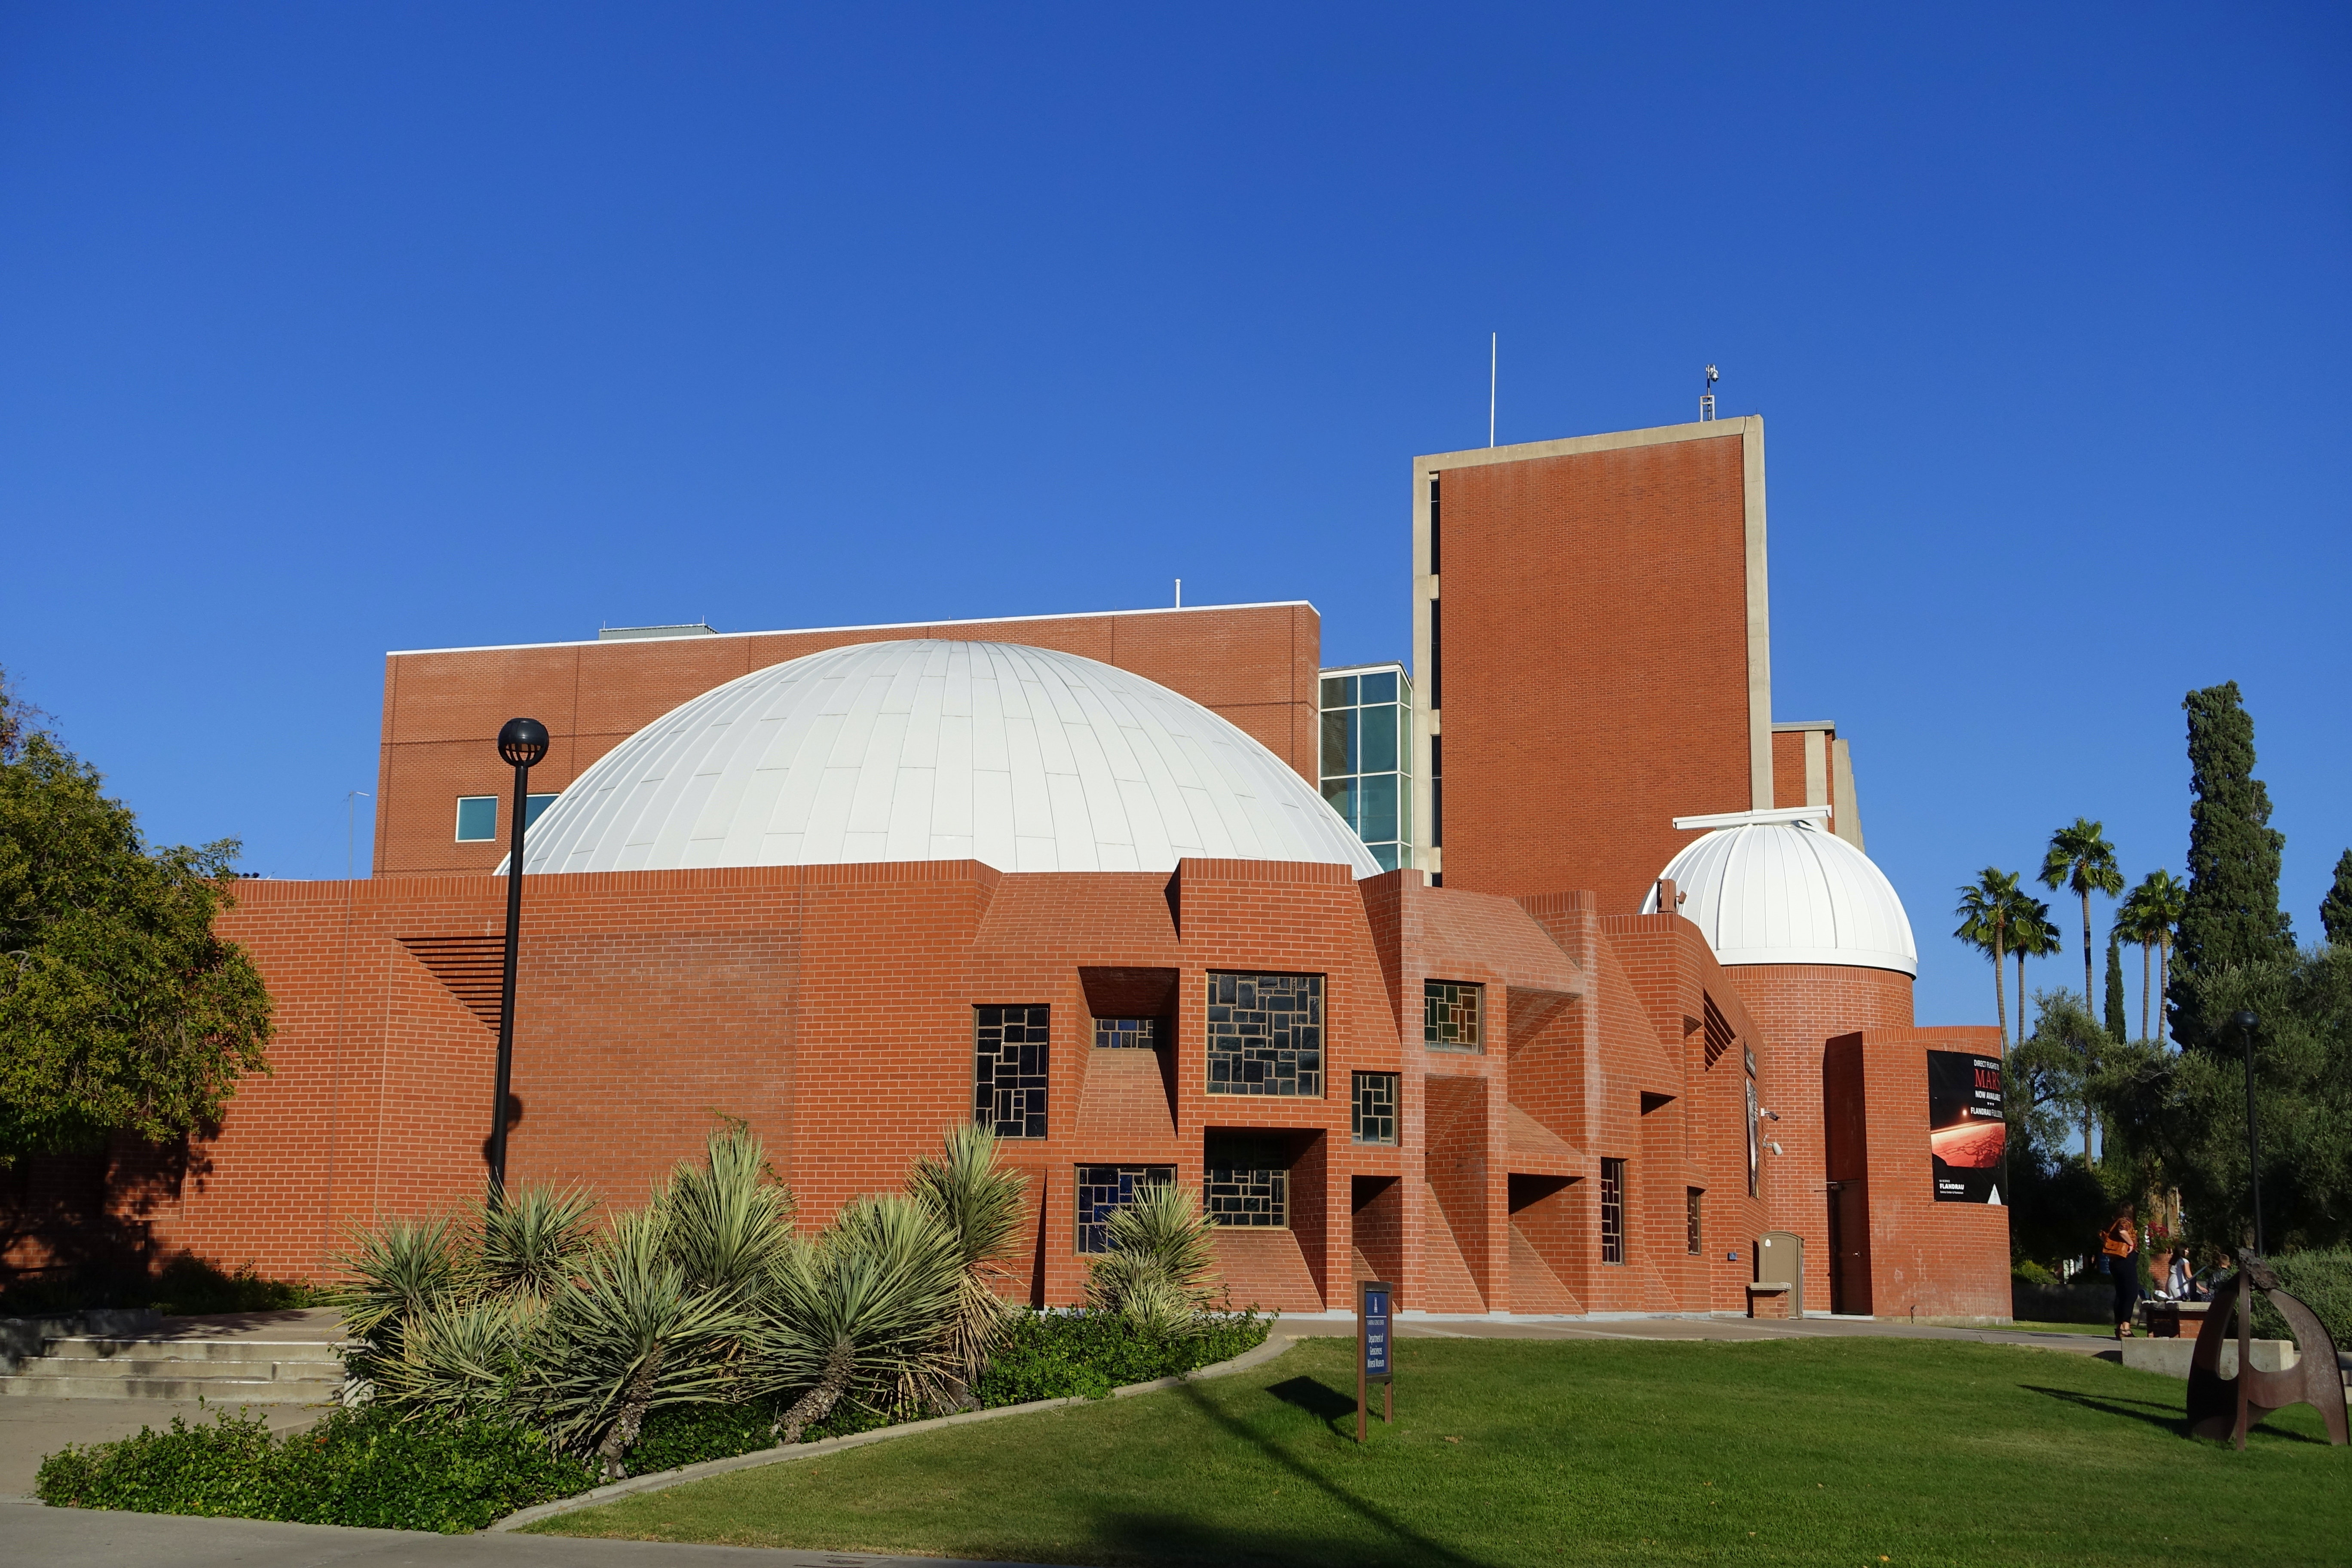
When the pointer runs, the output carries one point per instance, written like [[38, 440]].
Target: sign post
[[1375, 1303]]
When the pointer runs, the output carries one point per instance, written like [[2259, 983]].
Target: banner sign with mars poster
[[1966, 1131]]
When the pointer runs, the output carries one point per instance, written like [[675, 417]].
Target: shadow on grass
[[1420, 1548], [1318, 1399], [2172, 1418], [1171, 1538]]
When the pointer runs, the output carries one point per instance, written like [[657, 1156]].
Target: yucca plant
[[388, 1276], [459, 1358], [526, 1245], [631, 1334], [858, 1310], [980, 1204], [1162, 1249], [727, 1221]]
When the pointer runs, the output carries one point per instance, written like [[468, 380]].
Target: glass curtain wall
[[1366, 761]]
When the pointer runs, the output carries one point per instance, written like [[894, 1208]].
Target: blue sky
[[328, 331]]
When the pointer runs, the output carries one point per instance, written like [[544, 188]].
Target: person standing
[[2119, 1246]]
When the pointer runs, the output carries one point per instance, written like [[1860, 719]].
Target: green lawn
[[1845, 1451]]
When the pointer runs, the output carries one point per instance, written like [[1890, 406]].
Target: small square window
[[1373, 1117], [477, 818], [1452, 1015], [1126, 1034], [1380, 687], [1245, 1182]]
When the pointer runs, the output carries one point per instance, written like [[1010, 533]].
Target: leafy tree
[[2032, 934], [2117, 1029], [2335, 909], [119, 1007], [2232, 915], [2054, 1197], [2082, 861], [1985, 909], [2187, 1110]]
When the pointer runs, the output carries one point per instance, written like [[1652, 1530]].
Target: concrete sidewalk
[[82, 1537]]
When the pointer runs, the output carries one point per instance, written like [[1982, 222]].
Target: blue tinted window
[[1341, 794], [1379, 688], [1376, 742], [1386, 854], [1377, 806], [477, 818], [533, 805], [1340, 742], [1335, 692]]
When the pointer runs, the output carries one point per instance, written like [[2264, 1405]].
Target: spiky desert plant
[[457, 1358], [629, 1336], [1162, 1249], [858, 1310], [387, 1276], [727, 1221], [979, 1203], [526, 1245]]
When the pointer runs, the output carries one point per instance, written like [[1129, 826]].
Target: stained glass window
[[1265, 1033], [1247, 1183], [1451, 1015], [1613, 1211], [1104, 1190], [1009, 1078], [1126, 1034], [1374, 1118]]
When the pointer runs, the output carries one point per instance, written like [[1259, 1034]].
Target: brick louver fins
[[472, 967]]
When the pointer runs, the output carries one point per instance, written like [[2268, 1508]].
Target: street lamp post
[[2247, 1024], [522, 743]]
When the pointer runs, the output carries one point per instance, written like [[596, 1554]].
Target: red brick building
[[1072, 875]]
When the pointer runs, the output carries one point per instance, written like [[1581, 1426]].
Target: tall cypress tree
[[2232, 914], [2118, 1025], [2335, 909]]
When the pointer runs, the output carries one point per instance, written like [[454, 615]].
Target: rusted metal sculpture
[[2226, 1406]]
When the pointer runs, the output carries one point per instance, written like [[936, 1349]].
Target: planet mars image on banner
[[1966, 1132]]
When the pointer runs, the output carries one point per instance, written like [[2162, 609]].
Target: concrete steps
[[224, 1371]]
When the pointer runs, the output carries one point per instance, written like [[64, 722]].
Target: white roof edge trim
[[1755, 818], [1788, 726], [875, 627]]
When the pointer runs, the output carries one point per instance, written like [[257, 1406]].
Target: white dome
[[1787, 892], [1021, 757]]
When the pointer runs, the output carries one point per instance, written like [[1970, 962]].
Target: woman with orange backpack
[[2119, 1252]]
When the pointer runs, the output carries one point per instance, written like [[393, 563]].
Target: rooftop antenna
[[1707, 397], [1494, 360], [1179, 593]]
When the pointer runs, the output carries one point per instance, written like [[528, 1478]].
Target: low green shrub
[[2090, 1299], [1061, 1355], [360, 1467], [2321, 1281]]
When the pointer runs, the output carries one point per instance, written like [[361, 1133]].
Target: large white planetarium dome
[[1772, 886], [1024, 758]]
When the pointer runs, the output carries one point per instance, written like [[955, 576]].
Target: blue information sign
[[1375, 1333]]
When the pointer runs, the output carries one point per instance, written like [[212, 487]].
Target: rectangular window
[[533, 805], [1613, 1211], [1377, 810], [1009, 1080], [1246, 1182], [477, 818], [1690, 1221], [1436, 664], [1450, 1015], [1104, 1190], [1266, 1034], [1126, 1034], [1373, 1116], [1433, 526], [1340, 740], [1437, 790]]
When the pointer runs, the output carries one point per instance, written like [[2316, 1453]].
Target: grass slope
[[1848, 1451]]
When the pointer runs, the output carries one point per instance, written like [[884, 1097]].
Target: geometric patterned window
[[1374, 1118], [1265, 1033], [1247, 1183], [1104, 1190], [1691, 1219], [1126, 1034], [1009, 1048], [1613, 1211], [1450, 1014]]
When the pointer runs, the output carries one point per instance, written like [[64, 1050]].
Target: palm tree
[[2134, 925], [1985, 908], [2032, 934], [2163, 901], [2082, 861]]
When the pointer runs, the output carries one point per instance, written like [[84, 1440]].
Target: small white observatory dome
[[1024, 758], [1771, 887]]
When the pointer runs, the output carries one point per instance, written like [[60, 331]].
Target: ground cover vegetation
[[1511, 1452], [700, 1326], [120, 1010], [2099, 1114]]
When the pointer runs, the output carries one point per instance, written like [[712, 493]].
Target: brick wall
[[1256, 664], [1594, 663]]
